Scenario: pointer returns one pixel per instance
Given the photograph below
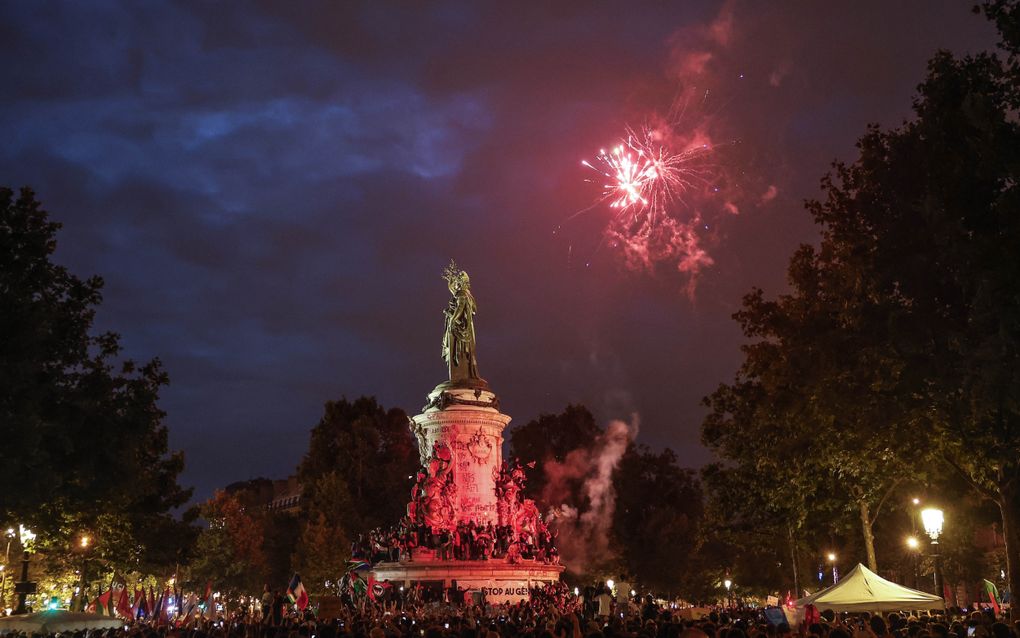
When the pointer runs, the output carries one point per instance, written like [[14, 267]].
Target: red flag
[[123, 604], [948, 594]]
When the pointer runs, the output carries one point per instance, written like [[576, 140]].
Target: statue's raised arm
[[459, 339]]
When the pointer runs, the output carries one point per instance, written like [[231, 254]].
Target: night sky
[[271, 190]]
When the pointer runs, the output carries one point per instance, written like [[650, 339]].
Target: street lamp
[[24, 588], [7, 561], [835, 573], [932, 518], [727, 584], [83, 544], [913, 545]]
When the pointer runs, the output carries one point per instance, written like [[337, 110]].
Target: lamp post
[[913, 545], [835, 573], [727, 584], [24, 587], [7, 561], [932, 519], [83, 544]]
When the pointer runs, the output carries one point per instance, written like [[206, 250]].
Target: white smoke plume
[[584, 535]]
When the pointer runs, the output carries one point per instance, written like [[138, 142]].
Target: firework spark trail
[[656, 193], [646, 177]]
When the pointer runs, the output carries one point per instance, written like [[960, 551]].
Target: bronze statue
[[459, 340]]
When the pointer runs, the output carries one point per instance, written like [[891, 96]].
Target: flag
[[296, 592], [210, 604], [111, 602], [164, 615], [355, 565], [190, 606], [993, 595], [151, 603], [102, 602], [358, 585], [124, 604], [947, 594], [157, 609], [93, 607], [137, 607]]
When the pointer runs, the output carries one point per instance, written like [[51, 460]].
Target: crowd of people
[[468, 541], [552, 612]]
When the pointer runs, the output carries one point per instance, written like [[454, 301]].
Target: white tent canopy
[[864, 590], [57, 620]]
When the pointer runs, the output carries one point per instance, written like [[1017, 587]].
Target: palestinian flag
[[993, 595], [359, 585], [111, 603], [101, 604], [296, 592]]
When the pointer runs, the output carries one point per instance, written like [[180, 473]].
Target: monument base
[[496, 579]]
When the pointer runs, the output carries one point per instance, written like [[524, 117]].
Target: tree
[[816, 386], [229, 552], [324, 547], [372, 451], [936, 203], [657, 520], [84, 438], [551, 437], [918, 244]]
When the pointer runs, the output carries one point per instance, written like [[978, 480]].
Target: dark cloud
[[271, 189]]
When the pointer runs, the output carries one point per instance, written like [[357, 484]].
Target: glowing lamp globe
[[912, 542], [932, 518], [727, 584], [27, 536]]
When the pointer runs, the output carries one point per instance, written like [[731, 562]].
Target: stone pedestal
[[467, 420], [460, 440], [497, 580]]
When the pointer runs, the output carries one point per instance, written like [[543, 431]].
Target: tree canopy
[[894, 357], [85, 446]]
